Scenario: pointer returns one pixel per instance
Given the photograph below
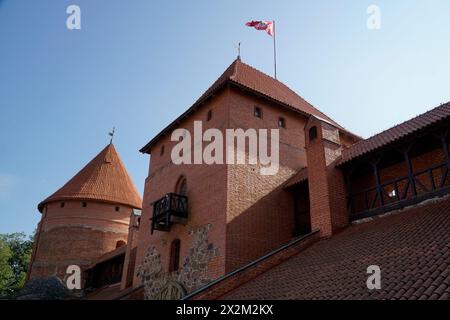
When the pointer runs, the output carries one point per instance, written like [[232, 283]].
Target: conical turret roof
[[103, 179]]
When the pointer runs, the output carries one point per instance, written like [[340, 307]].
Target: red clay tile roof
[[245, 76], [103, 179], [412, 249], [300, 176], [395, 133]]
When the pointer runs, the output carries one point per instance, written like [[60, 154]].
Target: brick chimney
[[326, 182]]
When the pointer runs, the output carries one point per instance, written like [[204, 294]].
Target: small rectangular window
[[174, 255], [281, 123], [84, 204], [258, 112], [62, 204], [117, 208], [162, 150], [209, 115]]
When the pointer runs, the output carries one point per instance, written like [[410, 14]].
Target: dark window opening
[[209, 115], [302, 219], [312, 133], [258, 112], [162, 150], [138, 222], [62, 204], [281, 123], [117, 208], [174, 255], [84, 204]]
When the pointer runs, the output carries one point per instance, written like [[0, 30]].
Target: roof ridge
[[403, 122], [235, 65], [275, 79], [322, 114], [401, 129], [256, 82]]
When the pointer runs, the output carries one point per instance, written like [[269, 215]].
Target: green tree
[[15, 254], [6, 273]]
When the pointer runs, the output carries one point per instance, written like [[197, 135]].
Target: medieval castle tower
[[208, 231], [88, 217]]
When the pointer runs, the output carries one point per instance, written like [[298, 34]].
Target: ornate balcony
[[170, 209]]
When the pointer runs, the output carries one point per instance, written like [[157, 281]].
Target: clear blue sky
[[137, 65]]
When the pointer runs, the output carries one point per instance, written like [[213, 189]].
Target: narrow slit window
[[312, 133], [174, 255], [209, 115], [281, 123], [258, 112]]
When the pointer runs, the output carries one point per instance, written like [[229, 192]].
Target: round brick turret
[[88, 217]]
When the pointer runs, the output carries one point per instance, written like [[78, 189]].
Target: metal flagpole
[[274, 49]]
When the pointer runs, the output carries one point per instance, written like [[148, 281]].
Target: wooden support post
[[366, 201], [377, 180], [397, 193], [430, 175], [410, 172], [445, 147]]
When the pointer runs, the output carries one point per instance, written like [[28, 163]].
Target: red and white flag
[[262, 25]]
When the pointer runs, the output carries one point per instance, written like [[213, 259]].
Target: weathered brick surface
[[205, 190], [250, 213], [260, 214], [130, 255], [76, 235], [326, 184]]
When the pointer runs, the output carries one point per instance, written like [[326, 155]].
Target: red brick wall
[[250, 213], [338, 198], [77, 235], [327, 191], [318, 181], [130, 255], [260, 215], [347, 140], [257, 214], [206, 191]]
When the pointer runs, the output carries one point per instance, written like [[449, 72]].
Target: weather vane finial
[[238, 47], [111, 134]]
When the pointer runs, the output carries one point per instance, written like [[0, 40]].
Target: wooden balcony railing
[[170, 209], [400, 192]]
